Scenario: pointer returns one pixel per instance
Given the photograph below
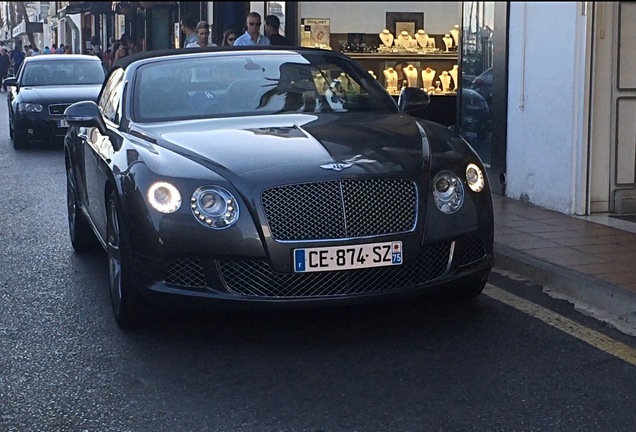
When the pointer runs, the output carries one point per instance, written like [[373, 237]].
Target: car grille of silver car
[[58, 109], [255, 278], [340, 209]]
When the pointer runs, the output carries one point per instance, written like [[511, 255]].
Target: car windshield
[[60, 73], [231, 84]]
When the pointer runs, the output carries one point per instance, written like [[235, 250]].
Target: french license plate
[[347, 257], [62, 123]]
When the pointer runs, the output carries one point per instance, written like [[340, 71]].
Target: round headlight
[[164, 197], [30, 107], [448, 192], [214, 207], [474, 178]]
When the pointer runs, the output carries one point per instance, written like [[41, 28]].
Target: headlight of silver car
[[29, 107], [448, 192], [214, 207], [474, 178], [164, 197]]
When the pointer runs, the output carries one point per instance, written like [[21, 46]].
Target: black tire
[[10, 130], [82, 235], [129, 307]]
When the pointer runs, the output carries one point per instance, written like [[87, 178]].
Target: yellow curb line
[[594, 338]]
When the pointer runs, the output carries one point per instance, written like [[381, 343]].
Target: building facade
[[545, 92]]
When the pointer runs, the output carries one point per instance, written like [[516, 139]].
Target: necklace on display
[[422, 38], [453, 74], [411, 75], [448, 41], [455, 34], [386, 37], [445, 80], [428, 75], [404, 39], [391, 77]]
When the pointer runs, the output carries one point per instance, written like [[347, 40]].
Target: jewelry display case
[[443, 106], [378, 63]]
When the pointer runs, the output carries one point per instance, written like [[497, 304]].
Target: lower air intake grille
[[471, 250], [186, 272], [255, 278]]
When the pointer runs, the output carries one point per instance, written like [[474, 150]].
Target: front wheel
[[129, 308]]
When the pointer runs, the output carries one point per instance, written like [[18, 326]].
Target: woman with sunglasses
[[253, 34], [229, 36]]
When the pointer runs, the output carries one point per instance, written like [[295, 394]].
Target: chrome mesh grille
[[186, 272], [340, 209], [255, 278], [58, 109]]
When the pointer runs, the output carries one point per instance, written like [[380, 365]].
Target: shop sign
[[315, 32], [19, 29]]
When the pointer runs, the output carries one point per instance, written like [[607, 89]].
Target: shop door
[[613, 144], [483, 95]]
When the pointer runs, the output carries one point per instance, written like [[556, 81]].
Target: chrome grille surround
[[340, 209], [255, 278], [58, 109]]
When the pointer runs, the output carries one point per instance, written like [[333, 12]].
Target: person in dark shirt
[[5, 63], [272, 26], [16, 60]]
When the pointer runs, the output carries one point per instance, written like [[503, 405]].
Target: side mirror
[[10, 82], [413, 99], [85, 114]]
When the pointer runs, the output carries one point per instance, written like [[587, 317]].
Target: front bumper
[[436, 265], [39, 127]]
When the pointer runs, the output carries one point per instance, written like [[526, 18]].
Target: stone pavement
[[590, 264]]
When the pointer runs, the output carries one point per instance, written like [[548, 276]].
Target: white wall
[[370, 17], [546, 150]]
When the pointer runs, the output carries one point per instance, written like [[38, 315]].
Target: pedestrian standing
[[272, 31], [124, 48], [229, 36], [252, 35], [203, 36], [17, 57], [5, 64], [188, 27]]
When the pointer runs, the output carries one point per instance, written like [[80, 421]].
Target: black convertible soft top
[[125, 61]]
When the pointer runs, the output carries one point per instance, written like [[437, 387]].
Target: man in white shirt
[[253, 37], [203, 35]]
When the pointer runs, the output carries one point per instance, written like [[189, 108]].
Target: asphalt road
[[418, 366]]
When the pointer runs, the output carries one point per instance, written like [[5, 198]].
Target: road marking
[[594, 338]]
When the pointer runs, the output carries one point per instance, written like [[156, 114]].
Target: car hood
[[298, 146], [69, 94]]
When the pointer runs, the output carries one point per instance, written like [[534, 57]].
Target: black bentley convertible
[[255, 175]]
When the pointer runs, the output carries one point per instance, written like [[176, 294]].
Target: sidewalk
[[579, 259]]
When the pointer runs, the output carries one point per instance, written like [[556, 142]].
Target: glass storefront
[[483, 99]]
